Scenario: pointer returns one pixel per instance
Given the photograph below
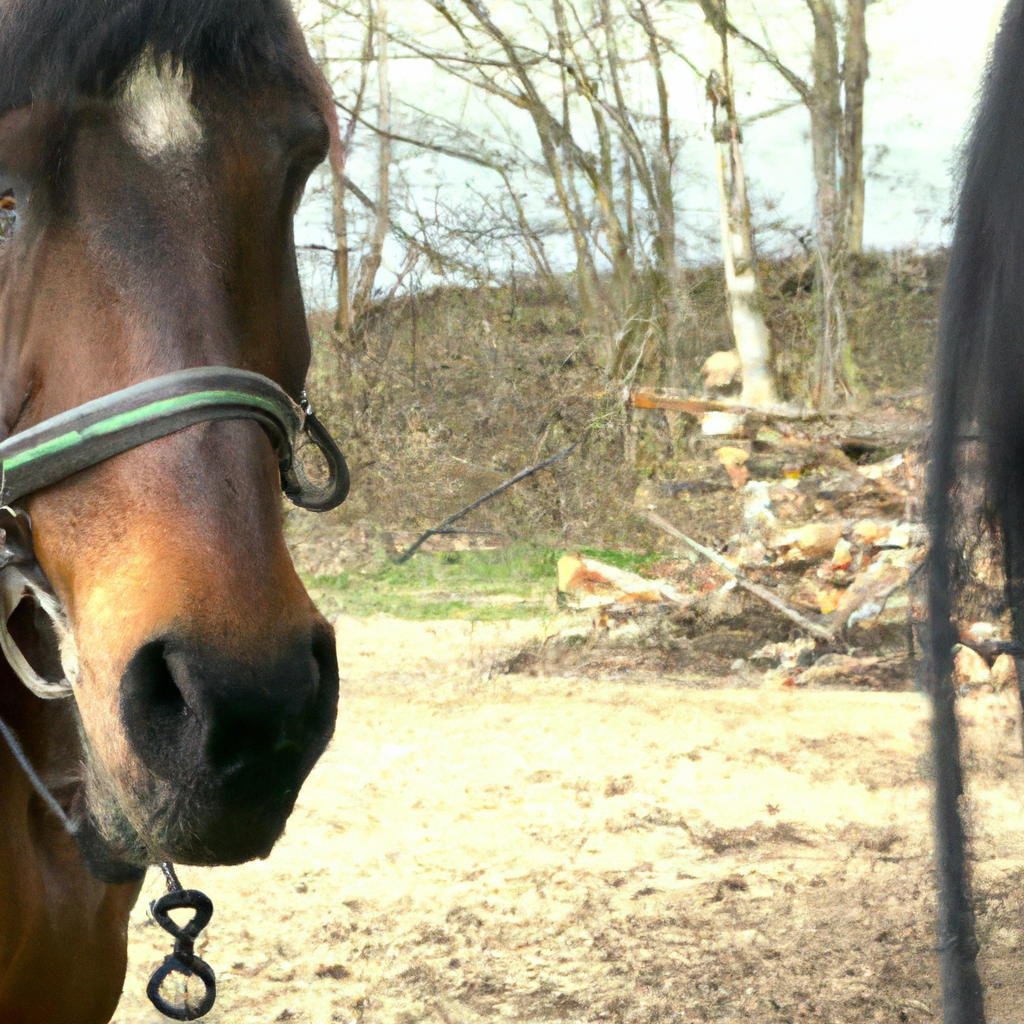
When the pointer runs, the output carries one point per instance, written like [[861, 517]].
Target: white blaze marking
[[159, 118]]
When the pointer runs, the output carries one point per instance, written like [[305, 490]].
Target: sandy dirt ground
[[485, 847]]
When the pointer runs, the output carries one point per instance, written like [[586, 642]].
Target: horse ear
[[28, 137]]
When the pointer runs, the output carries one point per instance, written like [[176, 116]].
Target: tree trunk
[[372, 261], [591, 306], [749, 330], [678, 311], [337, 157], [826, 124], [855, 73], [343, 320], [604, 192]]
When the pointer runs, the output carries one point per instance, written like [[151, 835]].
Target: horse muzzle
[[225, 743]]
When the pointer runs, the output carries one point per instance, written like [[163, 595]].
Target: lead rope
[[37, 783], [183, 959]]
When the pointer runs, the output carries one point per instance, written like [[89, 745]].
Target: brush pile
[[816, 581]]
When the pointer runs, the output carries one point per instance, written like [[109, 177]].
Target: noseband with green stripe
[[74, 440]]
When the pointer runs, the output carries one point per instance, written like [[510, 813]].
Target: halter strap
[[74, 440]]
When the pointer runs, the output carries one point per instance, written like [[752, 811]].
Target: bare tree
[[559, 149], [663, 196], [749, 330], [609, 172], [338, 153], [855, 74], [836, 134], [381, 220], [597, 167], [825, 104]]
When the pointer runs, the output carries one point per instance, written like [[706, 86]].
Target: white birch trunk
[[749, 330]]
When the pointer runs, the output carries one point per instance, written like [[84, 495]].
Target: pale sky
[[926, 59]]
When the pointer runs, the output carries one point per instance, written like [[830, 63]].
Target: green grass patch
[[631, 561], [511, 583], [519, 569]]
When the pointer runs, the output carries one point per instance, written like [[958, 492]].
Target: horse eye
[[8, 214]]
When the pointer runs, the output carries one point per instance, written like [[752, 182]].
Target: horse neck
[[62, 932]]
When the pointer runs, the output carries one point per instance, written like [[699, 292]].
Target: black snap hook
[[183, 960]]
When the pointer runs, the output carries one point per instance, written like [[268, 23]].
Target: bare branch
[[521, 475], [769, 56], [737, 574], [433, 147]]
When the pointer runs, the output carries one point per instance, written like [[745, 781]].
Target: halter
[[74, 440], [66, 444]]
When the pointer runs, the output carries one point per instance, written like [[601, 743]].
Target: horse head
[[154, 154]]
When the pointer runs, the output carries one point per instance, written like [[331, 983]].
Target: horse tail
[[979, 391]]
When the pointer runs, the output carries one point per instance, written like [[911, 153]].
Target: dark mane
[[65, 49]]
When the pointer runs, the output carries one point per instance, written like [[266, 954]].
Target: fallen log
[[992, 649], [674, 400]]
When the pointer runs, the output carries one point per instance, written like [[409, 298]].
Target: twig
[[521, 475], [451, 531], [758, 591]]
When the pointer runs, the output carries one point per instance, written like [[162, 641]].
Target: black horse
[[979, 399]]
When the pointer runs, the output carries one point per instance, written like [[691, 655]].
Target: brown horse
[[155, 151]]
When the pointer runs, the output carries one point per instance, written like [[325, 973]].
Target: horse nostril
[[155, 712], [187, 708], [164, 696], [230, 737], [156, 684]]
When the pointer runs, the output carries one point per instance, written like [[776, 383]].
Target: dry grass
[[439, 407]]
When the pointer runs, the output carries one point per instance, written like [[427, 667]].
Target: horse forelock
[[67, 49]]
